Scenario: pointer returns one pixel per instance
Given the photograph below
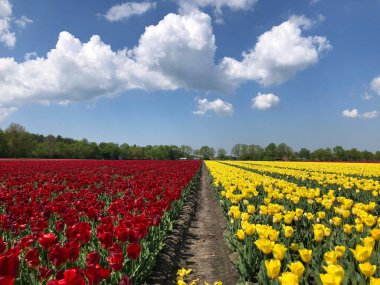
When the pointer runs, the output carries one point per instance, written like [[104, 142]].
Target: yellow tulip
[[347, 228], [218, 283], [336, 221], [250, 229], [244, 216], [183, 271], [305, 254], [369, 220], [251, 209], [273, 235], [321, 215], [375, 234], [279, 251], [359, 228], [330, 279], [297, 268], [335, 269], [288, 278], [340, 250], [288, 218], [288, 231], [240, 234], [273, 267], [361, 253], [374, 281], [327, 231], [367, 269], [181, 282], [368, 242], [318, 235], [294, 246], [299, 212], [330, 257], [265, 245]]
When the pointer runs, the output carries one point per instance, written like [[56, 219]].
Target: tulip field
[[87, 222], [301, 222]]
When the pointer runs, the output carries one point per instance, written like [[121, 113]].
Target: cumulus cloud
[[350, 113], [366, 96], [217, 106], [178, 52], [279, 54], [265, 101], [375, 85], [123, 11], [7, 37], [218, 5], [23, 22], [370, 115], [354, 113], [5, 112]]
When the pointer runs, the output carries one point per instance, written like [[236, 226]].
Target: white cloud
[[370, 115], [123, 11], [354, 113], [312, 2], [23, 22], [30, 55], [7, 37], [350, 113], [366, 96], [187, 6], [279, 54], [176, 53], [5, 112], [265, 101], [217, 106], [375, 85]]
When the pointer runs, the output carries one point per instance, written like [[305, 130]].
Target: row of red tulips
[[86, 222]]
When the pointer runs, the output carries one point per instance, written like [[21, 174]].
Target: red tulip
[[47, 240], [115, 261], [32, 257], [133, 250]]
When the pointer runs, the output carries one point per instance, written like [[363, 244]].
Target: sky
[[201, 72]]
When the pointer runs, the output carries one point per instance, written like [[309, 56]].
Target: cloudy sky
[[203, 72]]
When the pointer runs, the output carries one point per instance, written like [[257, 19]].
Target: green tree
[[304, 154], [207, 152], [20, 142], [4, 152], [270, 152], [236, 151], [221, 154]]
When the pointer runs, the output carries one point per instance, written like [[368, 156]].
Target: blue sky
[[200, 72]]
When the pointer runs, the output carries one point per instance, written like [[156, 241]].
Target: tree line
[[17, 142]]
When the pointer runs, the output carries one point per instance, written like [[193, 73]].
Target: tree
[[186, 151], [304, 154], [221, 154], [339, 153], [124, 151], [20, 142], [244, 155], [207, 152], [3, 145], [256, 152], [236, 151], [109, 150], [284, 151], [270, 152]]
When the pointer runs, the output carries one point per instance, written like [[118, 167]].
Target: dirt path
[[205, 250]]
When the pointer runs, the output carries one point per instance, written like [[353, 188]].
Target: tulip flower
[[273, 267], [305, 254], [265, 245], [288, 278], [297, 268], [367, 269]]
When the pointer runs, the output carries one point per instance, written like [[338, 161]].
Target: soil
[[204, 249]]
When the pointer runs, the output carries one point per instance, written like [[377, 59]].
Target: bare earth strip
[[205, 250]]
